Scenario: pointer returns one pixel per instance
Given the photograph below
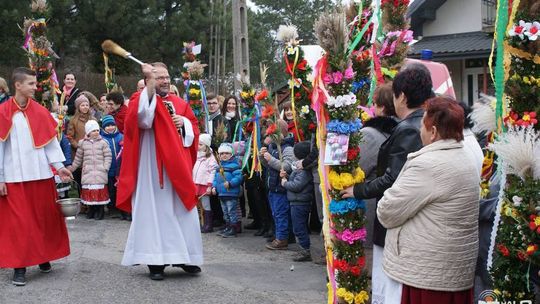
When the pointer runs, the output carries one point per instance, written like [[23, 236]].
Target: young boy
[[28, 147], [300, 194], [277, 195], [114, 138], [227, 185]]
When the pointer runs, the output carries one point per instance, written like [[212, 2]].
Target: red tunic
[[171, 154], [42, 124]]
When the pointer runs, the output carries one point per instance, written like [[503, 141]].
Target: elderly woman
[[431, 213]]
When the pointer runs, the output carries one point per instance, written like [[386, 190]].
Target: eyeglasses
[[162, 78]]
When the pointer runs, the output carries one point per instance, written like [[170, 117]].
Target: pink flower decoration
[[349, 73], [338, 77], [327, 78], [350, 236]]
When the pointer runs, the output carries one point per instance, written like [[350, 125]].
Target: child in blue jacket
[[114, 138], [227, 186]]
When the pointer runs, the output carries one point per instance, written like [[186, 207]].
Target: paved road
[[236, 270]]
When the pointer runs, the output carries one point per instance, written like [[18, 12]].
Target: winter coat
[[312, 161], [233, 175], [300, 187], [405, 138], [66, 149], [374, 132], [431, 213], [75, 129], [273, 181], [115, 141], [204, 170], [95, 157], [70, 101]]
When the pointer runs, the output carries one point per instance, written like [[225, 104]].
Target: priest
[[155, 184], [32, 228]]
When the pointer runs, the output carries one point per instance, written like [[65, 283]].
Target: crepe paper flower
[[503, 250], [292, 50], [346, 205], [351, 236], [271, 130], [341, 292], [312, 126], [537, 221], [268, 111], [328, 78], [340, 127], [352, 153], [337, 77], [262, 95], [533, 31], [349, 297], [361, 297], [302, 65], [510, 119], [357, 85], [528, 119], [532, 249], [304, 109], [517, 200], [519, 29], [296, 82], [521, 255], [349, 73]]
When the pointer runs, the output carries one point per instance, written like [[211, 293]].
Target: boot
[[91, 210], [19, 278], [45, 267], [277, 245], [156, 272], [100, 212], [207, 227], [303, 256]]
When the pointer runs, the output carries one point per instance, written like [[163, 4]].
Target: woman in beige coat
[[431, 213], [94, 156]]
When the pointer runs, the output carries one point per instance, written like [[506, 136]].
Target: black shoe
[[45, 267], [189, 268], [100, 213], [260, 232], [156, 272], [252, 226], [19, 278]]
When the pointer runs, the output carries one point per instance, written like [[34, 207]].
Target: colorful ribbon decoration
[[292, 85]]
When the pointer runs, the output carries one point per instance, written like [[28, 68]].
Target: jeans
[[229, 206], [300, 216], [280, 211]]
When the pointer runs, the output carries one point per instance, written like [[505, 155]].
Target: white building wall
[[455, 16]]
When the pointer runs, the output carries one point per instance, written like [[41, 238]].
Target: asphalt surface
[[239, 270]]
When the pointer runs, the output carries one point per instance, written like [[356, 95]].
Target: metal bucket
[[70, 207]]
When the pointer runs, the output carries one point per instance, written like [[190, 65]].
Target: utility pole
[[240, 39]]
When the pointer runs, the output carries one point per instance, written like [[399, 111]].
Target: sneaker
[[45, 267], [229, 233], [19, 278], [277, 245], [223, 231]]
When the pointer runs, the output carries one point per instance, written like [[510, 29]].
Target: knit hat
[[107, 120], [302, 149], [90, 126], [82, 98], [205, 139], [225, 147]]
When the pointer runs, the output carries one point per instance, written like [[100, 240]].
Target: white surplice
[[162, 231], [20, 161]]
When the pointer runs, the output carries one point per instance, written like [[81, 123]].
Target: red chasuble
[[171, 154], [42, 124]]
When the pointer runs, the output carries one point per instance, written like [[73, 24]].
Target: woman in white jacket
[[431, 213]]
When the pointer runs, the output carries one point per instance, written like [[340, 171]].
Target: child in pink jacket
[[203, 176]]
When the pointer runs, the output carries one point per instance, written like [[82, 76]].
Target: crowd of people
[[422, 169]]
